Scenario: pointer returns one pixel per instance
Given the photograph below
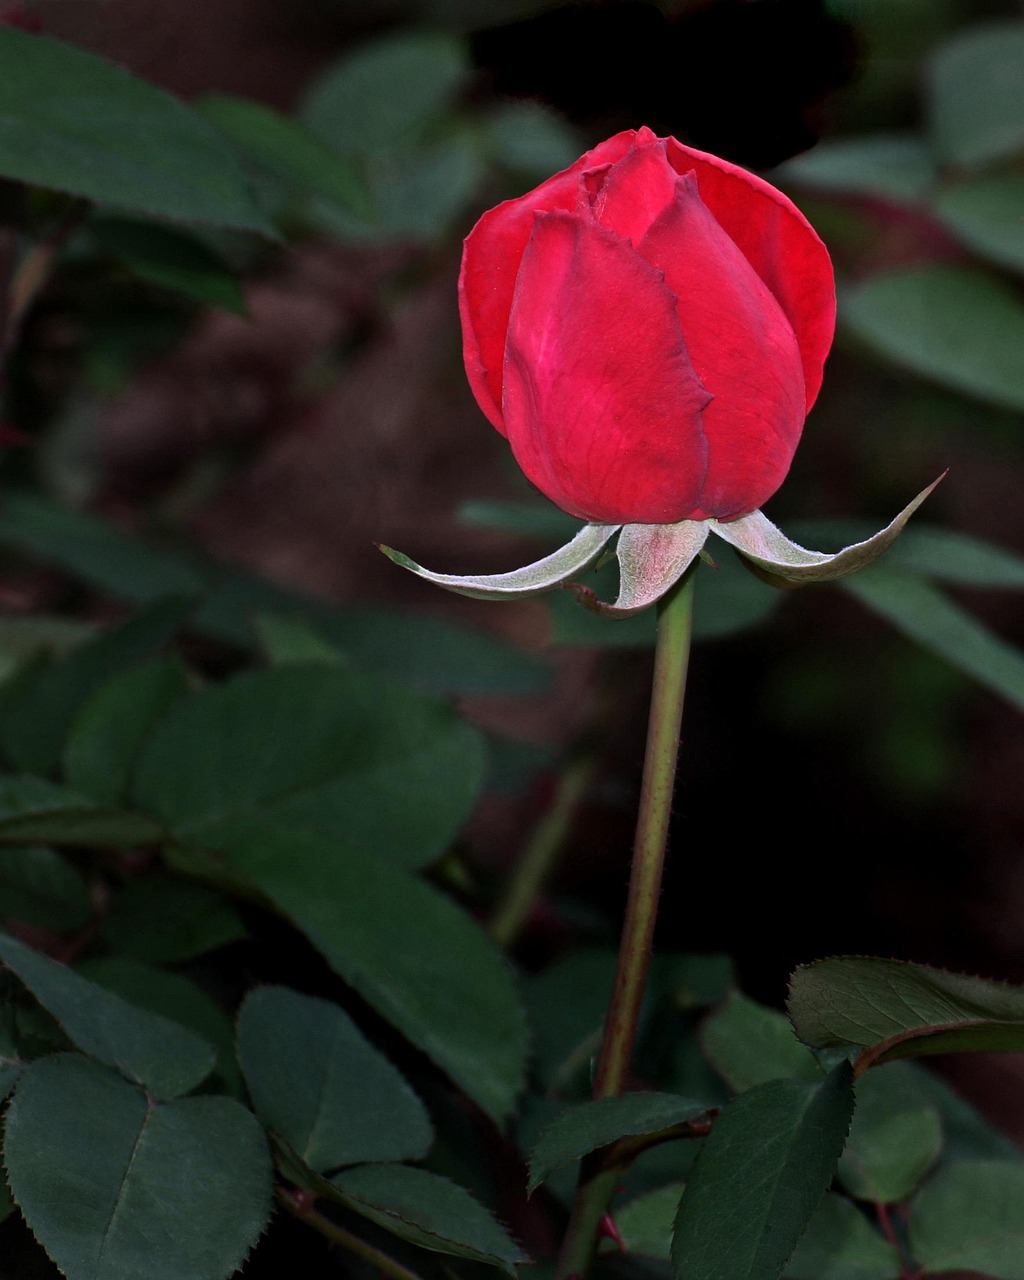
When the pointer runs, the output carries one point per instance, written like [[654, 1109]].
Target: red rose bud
[[648, 329]]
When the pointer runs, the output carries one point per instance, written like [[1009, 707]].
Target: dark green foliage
[[955, 324], [107, 1178], [40, 887], [967, 1218], [179, 263], [841, 1244], [162, 1055], [895, 1138], [240, 889], [892, 1009], [748, 1044], [410, 952], [579, 1130], [92, 135], [428, 1211], [316, 1081], [759, 1178], [315, 749], [36, 714], [165, 920]]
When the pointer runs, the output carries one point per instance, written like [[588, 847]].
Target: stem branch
[[541, 852]]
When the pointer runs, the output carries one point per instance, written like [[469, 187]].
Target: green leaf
[[165, 1057], [94, 551], [925, 615], [175, 997], [112, 723], [531, 138], [748, 1044], [431, 654], [435, 655], [968, 1136], [968, 1218], [729, 598], [428, 1211], [115, 1186], [288, 639], [34, 809], [954, 324], [40, 887], [423, 964], [319, 1083], [7, 1205], [36, 716], [580, 1129], [894, 1009], [170, 260], [572, 624], [645, 1223], [895, 1138], [976, 94], [11, 1064], [759, 1178], [985, 214], [840, 1244], [567, 1003], [387, 94], [526, 517], [692, 980], [101, 133], [329, 750], [421, 193], [164, 920], [24, 638], [289, 150], [891, 165]]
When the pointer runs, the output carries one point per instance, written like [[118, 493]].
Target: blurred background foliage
[[228, 389]]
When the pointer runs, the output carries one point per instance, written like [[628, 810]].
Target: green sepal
[[652, 558], [769, 550], [552, 571]]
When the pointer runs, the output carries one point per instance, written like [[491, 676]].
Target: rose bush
[[648, 329]]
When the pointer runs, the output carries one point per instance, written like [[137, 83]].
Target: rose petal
[[601, 404], [490, 261], [778, 242], [629, 195], [743, 350]]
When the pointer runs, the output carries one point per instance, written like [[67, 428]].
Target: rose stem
[[599, 1176], [297, 1204]]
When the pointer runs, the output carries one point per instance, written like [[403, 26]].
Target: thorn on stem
[[610, 1230]]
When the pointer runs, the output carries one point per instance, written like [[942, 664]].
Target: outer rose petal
[[778, 242], [601, 403], [490, 263], [743, 350]]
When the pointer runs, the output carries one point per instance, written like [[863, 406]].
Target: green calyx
[[653, 557]]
